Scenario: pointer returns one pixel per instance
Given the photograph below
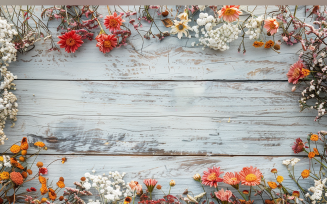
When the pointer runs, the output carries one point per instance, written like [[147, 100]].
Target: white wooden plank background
[[166, 111]]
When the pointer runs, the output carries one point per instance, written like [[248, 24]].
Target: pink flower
[[285, 38], [297, 72], [211, 178], [224, 195], [138, 188], [229, 13], [231, 178], [113, 22], [150, 184], [132, 184], [271, 25], [43, 171], [106, 42], [312, 48], [250, 176]]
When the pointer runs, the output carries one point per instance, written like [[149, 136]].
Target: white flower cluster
[[111, 187], [317, 190], [219, 38], [7, 50], [8, 104], [5, 162], [291, 162], [254, 27]]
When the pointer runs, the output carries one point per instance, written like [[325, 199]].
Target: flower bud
[[172, 183], [158, 187], [274, 170], [197, 177]]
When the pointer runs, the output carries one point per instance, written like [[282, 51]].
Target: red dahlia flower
[[106, 42], [70, 41], [211, 178], [113, 22]]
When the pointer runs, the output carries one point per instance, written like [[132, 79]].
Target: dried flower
[[211, 177], [229, 13], [61, 198], [29, 171], [39, 164], [61, 184], [257, 44], [17, 178], [21, 158], [280, 179], [197, 177], [106, 42], [297, 72], [128, 199], [24, 174], [277, 47], [158, 187], [71, 42], [305, 173], [298, 146], [24, 152], [39, 144], [83, 178], [150, 184], [180, 28], [4, 175], [271, 25], [315, 150], [43, 200], [172, 183], [314, 137], [42, 180], [269, 44], [250, 176], [43, 171], [52, 194], [232, 179], [24, 144], [272, 184], [15, 149], [44, 189], [63, 160], [113, 22], [311, 155], [224, 195], [274, 170]]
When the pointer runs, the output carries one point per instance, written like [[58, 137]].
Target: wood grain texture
[[165, 168]]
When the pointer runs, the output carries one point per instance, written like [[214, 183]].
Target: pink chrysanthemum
[[224, 195], [113, 22], [70, 41], [150, 184], [229, 13], [297, 72], [271, 25], [232, 178], [106, 42], [211, 178], [250, 176]]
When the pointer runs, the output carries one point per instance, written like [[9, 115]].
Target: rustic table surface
[[166, 111]]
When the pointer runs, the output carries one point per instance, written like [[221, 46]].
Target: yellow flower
[[15, 149], [314, 137], [272, 184], [1, 158], [4, 175], [280, 179], [39, 144]]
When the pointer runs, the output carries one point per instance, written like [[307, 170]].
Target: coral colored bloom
[[271, 25], [106, 42], [224, 195], [314, 137], [150, 184], [17, 178], [305, 173], [43, 171], [211, 178], [229, 13], [296, 72], [231, 178], [113, 22], [250, 176], [132, 184], [70, 41], [298, 146], [138, 188]]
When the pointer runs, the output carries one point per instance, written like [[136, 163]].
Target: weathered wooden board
[[165, 168]]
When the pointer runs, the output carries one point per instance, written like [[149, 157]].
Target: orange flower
[[127, 200], [305, 72], [39, 164], [15, 149], [257, 44], [24, 174], [229, 13], [52, 194], [272, 184], [29, 171], [24, 152], [305, 173], [17, 178], [83, 178], [314, 137], [296, 194], [61, 198], [24, 144], [4, 175], [269, 44], [274, 170], [311, 155], [315, 150], [22, 159], [13, 161], [43, 200], [61, 179], [158, 186], [63, 160], [61, 184], [42, 180], [39, 144], [250, 176], [44, 189]]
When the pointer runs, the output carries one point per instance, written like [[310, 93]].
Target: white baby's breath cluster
[[317, 190], [6, 161], [219, 38], [111, 187], [8, 101], [291, 162], [254, 27]]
